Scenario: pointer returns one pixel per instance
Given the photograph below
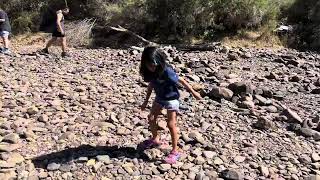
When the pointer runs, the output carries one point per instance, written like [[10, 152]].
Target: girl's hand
[[143, 106], [197, 95], [189, 88]]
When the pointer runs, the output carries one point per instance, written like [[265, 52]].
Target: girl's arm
[[149, 91], [185, 84]]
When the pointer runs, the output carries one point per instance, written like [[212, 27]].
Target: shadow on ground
[[72, 154]]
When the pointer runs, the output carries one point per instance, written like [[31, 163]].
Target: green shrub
[[189, 18], [22, 24], [305, 15], [181, 20]]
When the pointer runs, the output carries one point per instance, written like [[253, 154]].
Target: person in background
[[5, 30], [58, 32]]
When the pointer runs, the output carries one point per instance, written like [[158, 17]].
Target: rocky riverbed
[[79, 117]]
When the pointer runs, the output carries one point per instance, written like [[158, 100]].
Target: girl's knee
[[171, 124]]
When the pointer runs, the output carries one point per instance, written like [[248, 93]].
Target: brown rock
[[43, 118], [8, 147], [32, 110], [11, 138], [221, 92], [233, 57], [264, 123]]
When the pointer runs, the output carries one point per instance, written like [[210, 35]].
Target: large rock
[[217, 161], [307, 132], [239, 159], [272, 75], [43, 118], [32, 110], [103, 158], [292, 116], [241, 88], [248, 104], [8, 175], [315, 91], [221, 92], [11, 138], [264, 123], [315, 157], [53, 166], [8, 147], [262, 100], [15, 158], [231, 175], [305, 159], [209, 154], [195, 135], [264, 171], [233, 57], [194, 78], [164, 167], [313, 177]]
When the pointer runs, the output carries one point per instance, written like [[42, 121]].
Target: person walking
[[58, 32], [5, 30]]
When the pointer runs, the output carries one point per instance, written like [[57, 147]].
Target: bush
[[306, 17], [27, 22], [181, 20], [23, 14], [185, 19]]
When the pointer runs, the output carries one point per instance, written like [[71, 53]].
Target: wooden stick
[[121, 29], [66, 3]]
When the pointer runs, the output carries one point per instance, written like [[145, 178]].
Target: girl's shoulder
[[170, 74], [169, 70]]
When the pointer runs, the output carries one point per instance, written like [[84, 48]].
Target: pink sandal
[[173, 157]]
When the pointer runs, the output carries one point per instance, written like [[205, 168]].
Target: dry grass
[[256, 39], [79, 33]]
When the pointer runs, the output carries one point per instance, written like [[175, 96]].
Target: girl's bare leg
[[172, 125], [6, 42], [152, 118]]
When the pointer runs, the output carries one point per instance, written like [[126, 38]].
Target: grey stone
[[305, 159], [292, 116], [11, 138], [221, 92], [53, 166], [230, 174]]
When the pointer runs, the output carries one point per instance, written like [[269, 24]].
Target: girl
[[163, 80]]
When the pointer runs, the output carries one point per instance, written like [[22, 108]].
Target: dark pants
[[57, 34]]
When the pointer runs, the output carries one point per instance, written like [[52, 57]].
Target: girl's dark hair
[[152, 55]]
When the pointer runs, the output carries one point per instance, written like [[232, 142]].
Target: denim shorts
[[4, 33], [172, 105]]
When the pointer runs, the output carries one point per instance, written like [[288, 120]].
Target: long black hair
[[152, 55]]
